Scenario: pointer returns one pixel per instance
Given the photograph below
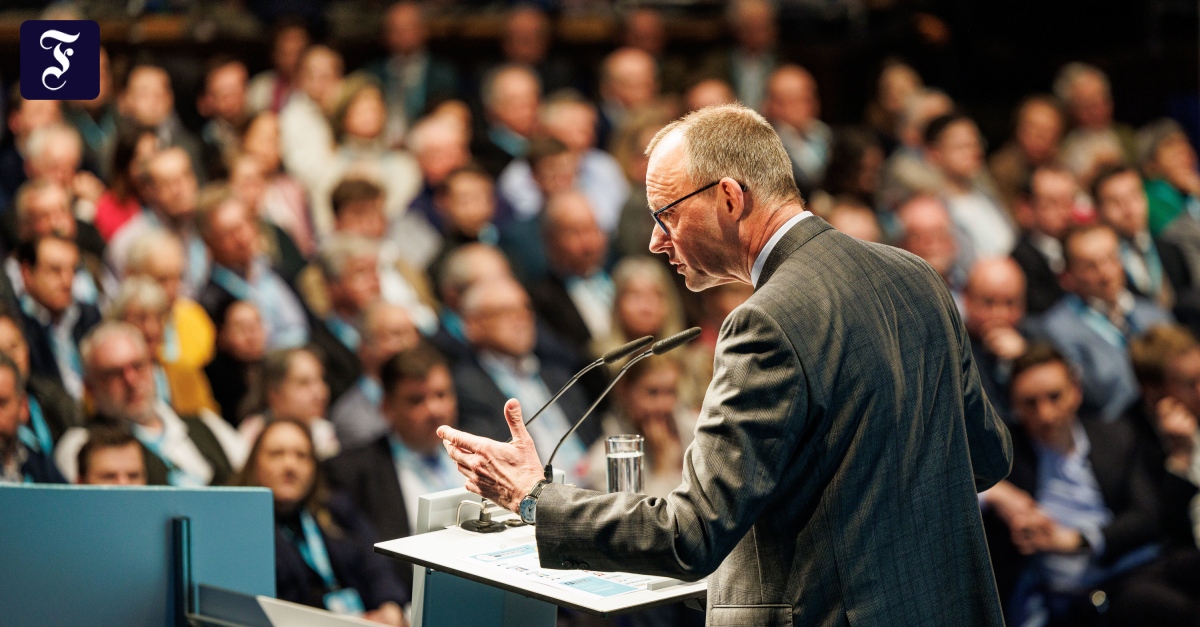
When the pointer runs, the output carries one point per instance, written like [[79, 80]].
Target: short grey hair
[[137, 291], [25, 194], [101, 333], [41, 139], [337, 250], [431, 126], [1064, 82], [735, 141], [149, 245], [456, 272]]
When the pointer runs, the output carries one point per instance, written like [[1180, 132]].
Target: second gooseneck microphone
[[660, 347]]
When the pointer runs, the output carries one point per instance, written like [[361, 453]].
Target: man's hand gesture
[[502, 473]]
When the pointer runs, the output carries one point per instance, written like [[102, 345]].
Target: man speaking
[[834, 471]]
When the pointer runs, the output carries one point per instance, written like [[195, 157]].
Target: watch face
[[527, 509]]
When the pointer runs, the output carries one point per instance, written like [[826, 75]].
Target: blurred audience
[[1039, 251], [291, 387], [19, 462], [792, 106], [111, 456]]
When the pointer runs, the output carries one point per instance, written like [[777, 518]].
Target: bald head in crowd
[[994, 296], [630, 78], [54, 152], [709, 93], [386, 330], [440, 145], [928, 232], [792, 98], [467, 266], [43, 208], [498, 317], [511, 95], [575, 244]]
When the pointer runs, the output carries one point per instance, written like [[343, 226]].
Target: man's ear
[[733, 200]]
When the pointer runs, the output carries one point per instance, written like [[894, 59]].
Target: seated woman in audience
[[359, 121], [645, 303], [323, 555], [188, 333], [1169, 163], [647, 404], [126, 192], [279, 198], [241, 346], [142, 303], [292, 387]]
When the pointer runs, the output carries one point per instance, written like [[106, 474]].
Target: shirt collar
[[36, 311], [761, 259], [523, 367]]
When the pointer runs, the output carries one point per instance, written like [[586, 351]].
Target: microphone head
[[675, 341], [623, 351]]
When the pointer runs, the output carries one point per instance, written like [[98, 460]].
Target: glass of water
[[626, 462]]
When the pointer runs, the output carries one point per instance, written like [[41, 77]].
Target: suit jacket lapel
[[800, 234]]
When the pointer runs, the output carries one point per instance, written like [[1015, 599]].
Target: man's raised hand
[[500, 472]]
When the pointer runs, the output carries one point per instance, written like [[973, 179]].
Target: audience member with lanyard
[[323, 554], [21, 461]]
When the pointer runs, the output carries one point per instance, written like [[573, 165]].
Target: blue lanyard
[[36, 435], [171, 348], [176, 476], [1100, 324], [232, 283], [313, 551]]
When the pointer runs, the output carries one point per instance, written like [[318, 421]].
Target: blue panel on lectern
[[83, 555]]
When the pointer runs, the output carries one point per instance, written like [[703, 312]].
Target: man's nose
[[658, 240]]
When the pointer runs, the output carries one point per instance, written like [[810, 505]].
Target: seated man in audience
[[223, 104], [111, 456], [441, 145], [906, 172], [555, 169], [628, 84], [576, 299], [387, 475], [852, 217], [20, 462], [358, 210], [1095, 138], [466, 208], [51, 410], [1093, 323], [182, 450], [994, 301], [385, 330], [1039, 251], [241, 272], [467, 266], [53, 319], [1037, 131], [349, 267], [148, 100], [927, 232], [511, 94], [501, 330], [55, 153], [954, 147], [174, 192], [189, 333], [1167, 362], [412, 78], [43, 208], [1078, 508], [1154, 268], [24, 117], [792, 106]]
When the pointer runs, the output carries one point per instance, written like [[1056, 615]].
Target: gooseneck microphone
[[660, 347]]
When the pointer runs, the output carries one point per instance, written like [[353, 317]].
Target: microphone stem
[[549, 467], [562, 390]]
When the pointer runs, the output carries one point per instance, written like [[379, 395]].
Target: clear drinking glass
[[626, 462]]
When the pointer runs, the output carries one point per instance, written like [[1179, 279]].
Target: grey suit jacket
[[833, 476]]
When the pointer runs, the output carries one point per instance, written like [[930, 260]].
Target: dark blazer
[[1124, 482], [40, 468], [1175, 492], [41, 358], [481, 403], [834, 471], [439, 83], [368, 476], [355, 564], [554, 305], [342, 367], [58, 408], [1042, 289]]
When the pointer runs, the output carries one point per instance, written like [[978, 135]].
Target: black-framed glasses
[[654, 214]]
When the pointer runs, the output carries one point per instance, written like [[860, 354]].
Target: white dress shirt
[[761, 259]]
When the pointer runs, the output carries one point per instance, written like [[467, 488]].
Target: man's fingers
[[462, 439], [516, 420]]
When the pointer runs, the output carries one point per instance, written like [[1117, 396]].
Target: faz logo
[[60, 60]]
